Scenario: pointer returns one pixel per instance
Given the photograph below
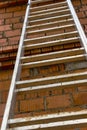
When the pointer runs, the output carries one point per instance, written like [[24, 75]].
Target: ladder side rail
[[4, 124], [78, 25]]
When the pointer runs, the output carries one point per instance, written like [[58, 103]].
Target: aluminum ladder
[[38, 20]]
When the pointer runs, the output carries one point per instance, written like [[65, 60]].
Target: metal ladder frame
[[16, 72], [78, 26]]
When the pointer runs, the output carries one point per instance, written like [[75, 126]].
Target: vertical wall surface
[[11, 20], [50, 101]]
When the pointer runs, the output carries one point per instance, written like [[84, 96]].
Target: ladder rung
[[50, 19], [49, 14], [51, 37], [51, 80], [50, 29], [55, 85], [57, 54], [54, 61], [48, 10], [49, 6], [48, 117], [55, 125], [51, 24], [51, 43]]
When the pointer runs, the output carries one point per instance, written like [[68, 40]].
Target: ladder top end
[[28, 2]]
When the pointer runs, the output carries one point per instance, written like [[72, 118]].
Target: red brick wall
[[11, 19], [81, 9]]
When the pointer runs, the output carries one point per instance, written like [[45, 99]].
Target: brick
[[44, 112], [1, 36], [47, 49], [4, 85], [4, 96], [44, 70], [2, 11], [61, 67], [14, 47], [3, 77], [14, 40], [36, 51], [12, 55], [80, 98], [53, 68], [55, 92], [76, 2], [72, 109], [20, 115], [77, 44], [6, 75], [2, 107], [32, 105], [70, 29], [13, 9], [7, 63], [84, 8], [17, 25], [70, 90], [1, 22], [20, 96], [12, 33], [68, 46], [43, 93], [5, 27], [19, 13], [3, 42], [81, 14], [83, 20], [84, 2], [59, 101], [13, 20], [25, 73], [82, 89], [16, 107], [6, 15], [7, 49], [55, 48], [3, 57], [32, 95]]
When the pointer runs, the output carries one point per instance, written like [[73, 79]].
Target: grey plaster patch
[[76, 65]]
